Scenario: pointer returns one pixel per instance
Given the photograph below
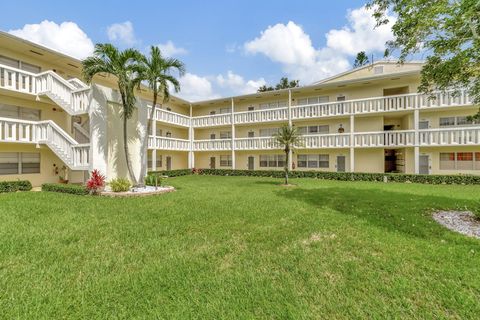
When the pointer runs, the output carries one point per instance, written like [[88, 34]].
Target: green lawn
[[240, 247]]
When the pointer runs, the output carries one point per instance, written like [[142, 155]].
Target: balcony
[[164, 143], [450, 136], [212, 145], [171, 117], [71, 95], [268, 115], [403, 138], [212, 120], [380, 139], [76, 156]]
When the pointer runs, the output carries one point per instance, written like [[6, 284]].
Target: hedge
[[14, 186], [340, 176], [65, 188], [172, 173]]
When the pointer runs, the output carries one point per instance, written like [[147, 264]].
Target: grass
[[240, 247]]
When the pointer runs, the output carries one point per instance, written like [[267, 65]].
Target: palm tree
[[288, 138], [157, 71], [124, 65]]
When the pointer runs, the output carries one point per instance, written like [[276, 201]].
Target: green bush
[[172, 173], [65, 188], [348, 176], [120, 185], [154, 179], [13, 186]]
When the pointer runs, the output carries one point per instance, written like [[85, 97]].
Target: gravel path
[[463, 222]]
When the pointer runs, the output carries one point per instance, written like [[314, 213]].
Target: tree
[[284, 83], [361, 59], [288, 138], [157, 71], [446, 31], [124, 65]]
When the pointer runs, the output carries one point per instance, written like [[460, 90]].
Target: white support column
[[233, 134], [416, 148], [154, 134], [352, 149], [191, 134], [290, 155]]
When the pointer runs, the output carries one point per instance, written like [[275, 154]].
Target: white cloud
[[236, 84], [196, 88], [122, 33], [169, 49], [289, 45], [66, 37], [360, 34]]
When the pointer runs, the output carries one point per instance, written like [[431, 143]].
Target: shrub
[[14, 186], [120, 185], [65, 188], [154, 179], [96, 183], [172, 173], [349, 176]]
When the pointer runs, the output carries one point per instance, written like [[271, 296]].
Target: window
[[30, 67], [313, 100], [251, 108], [341, 98], [378, 70], [447, 121], [14, 112], [268, 132], [159, 160], [212, 136], [272, 105], [460, 161], [251, 134], [225, 135], [9, 62], [225, 110], [272, 161], [9, 163], [225, 161], [461, 121], [19, 163], [313, 161], [323, 129], [30, 162], [464, 161]]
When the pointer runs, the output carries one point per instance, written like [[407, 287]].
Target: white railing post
[[232, 120], [416, 148]]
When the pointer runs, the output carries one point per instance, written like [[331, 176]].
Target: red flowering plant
[[196, 171], [96, 183]]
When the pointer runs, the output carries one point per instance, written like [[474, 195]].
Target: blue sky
[[229, 47]]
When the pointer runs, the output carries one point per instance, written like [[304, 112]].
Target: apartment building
[[371, 119]]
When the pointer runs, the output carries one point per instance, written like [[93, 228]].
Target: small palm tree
[[125, 66], [288, 138], [157, 71]]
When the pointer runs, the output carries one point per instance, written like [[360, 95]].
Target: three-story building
[[370, 119]]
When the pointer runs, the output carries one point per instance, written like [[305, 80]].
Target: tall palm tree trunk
[[144, 170], [127, 154], [287, 152]]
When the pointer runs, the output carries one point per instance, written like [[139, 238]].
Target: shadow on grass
[[396, 212]]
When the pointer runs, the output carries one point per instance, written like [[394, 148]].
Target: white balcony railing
[[165, 143], [325, 141], [171, 117], [384, 139], [268, 115], [450, 136], [212, 120], [212, 145], [76, 156], [71, 95], [259, 143]]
